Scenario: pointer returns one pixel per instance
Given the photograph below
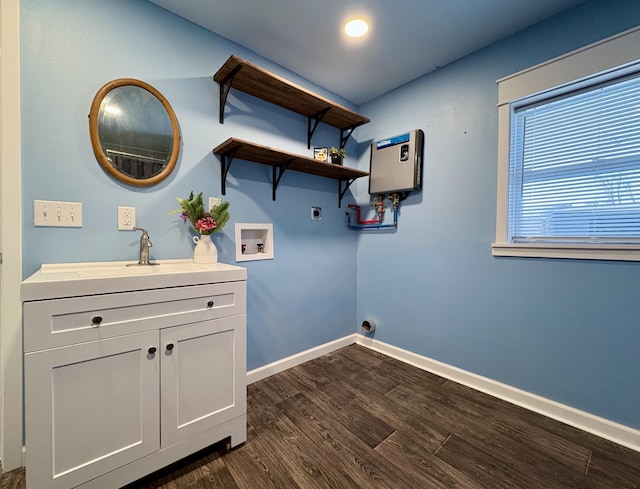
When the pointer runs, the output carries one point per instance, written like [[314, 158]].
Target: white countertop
[[54, 281]]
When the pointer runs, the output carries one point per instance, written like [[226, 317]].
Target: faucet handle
[[144, 239], [145, 244]]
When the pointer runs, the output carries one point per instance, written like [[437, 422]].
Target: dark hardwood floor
[[358, 419]]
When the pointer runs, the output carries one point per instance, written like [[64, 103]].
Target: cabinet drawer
[[60, 322]]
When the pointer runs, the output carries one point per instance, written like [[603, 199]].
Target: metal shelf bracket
[[225, 164], [225, 86], [278, 171], [348, 130], [342, 191], [316, 118]]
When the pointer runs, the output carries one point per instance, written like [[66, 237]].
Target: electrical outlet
[[316, 213], [214, 202], [126, 218], [59, 214]]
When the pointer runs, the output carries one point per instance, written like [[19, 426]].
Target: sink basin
[[74, 279], [135, 269], [121, 269]]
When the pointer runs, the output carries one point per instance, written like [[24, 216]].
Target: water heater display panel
[[396, 163]]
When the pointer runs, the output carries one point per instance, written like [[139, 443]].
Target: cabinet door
[[203, 376], [90, 408]]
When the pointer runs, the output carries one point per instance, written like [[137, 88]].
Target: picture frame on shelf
[[321, 154]]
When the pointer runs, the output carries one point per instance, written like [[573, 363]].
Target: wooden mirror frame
[[104, 161]]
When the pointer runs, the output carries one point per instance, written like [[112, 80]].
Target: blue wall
[[302, 298], [563, 329]]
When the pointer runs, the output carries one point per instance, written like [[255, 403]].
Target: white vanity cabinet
[[119, 383]]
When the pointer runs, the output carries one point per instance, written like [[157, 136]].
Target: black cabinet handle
[[152, 350], [170, 346], [96, 320], [210, 304]]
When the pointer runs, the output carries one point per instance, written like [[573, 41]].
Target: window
[[569, 156], [575, 167]]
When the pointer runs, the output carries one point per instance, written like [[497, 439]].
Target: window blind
[[574, 172]]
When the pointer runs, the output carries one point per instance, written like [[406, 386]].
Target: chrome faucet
[[145, 244]]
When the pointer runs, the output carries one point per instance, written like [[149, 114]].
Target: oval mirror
[[134, 132]]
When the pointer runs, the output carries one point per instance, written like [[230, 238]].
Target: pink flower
[[206, 224]]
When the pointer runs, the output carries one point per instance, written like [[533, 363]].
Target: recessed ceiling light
[[356, 28]]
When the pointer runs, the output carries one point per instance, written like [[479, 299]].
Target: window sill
[[571, 251]]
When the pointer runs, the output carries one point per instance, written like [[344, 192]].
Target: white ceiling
[[407, 38]]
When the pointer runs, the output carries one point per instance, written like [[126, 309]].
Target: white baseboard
[[617, 433], [299, 358]]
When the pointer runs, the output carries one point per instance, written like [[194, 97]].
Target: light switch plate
[[57, 214]]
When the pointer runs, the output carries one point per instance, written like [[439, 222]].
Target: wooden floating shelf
[[281, 161], [249, 78]]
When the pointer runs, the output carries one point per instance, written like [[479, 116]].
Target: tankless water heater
[[396, 163]]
